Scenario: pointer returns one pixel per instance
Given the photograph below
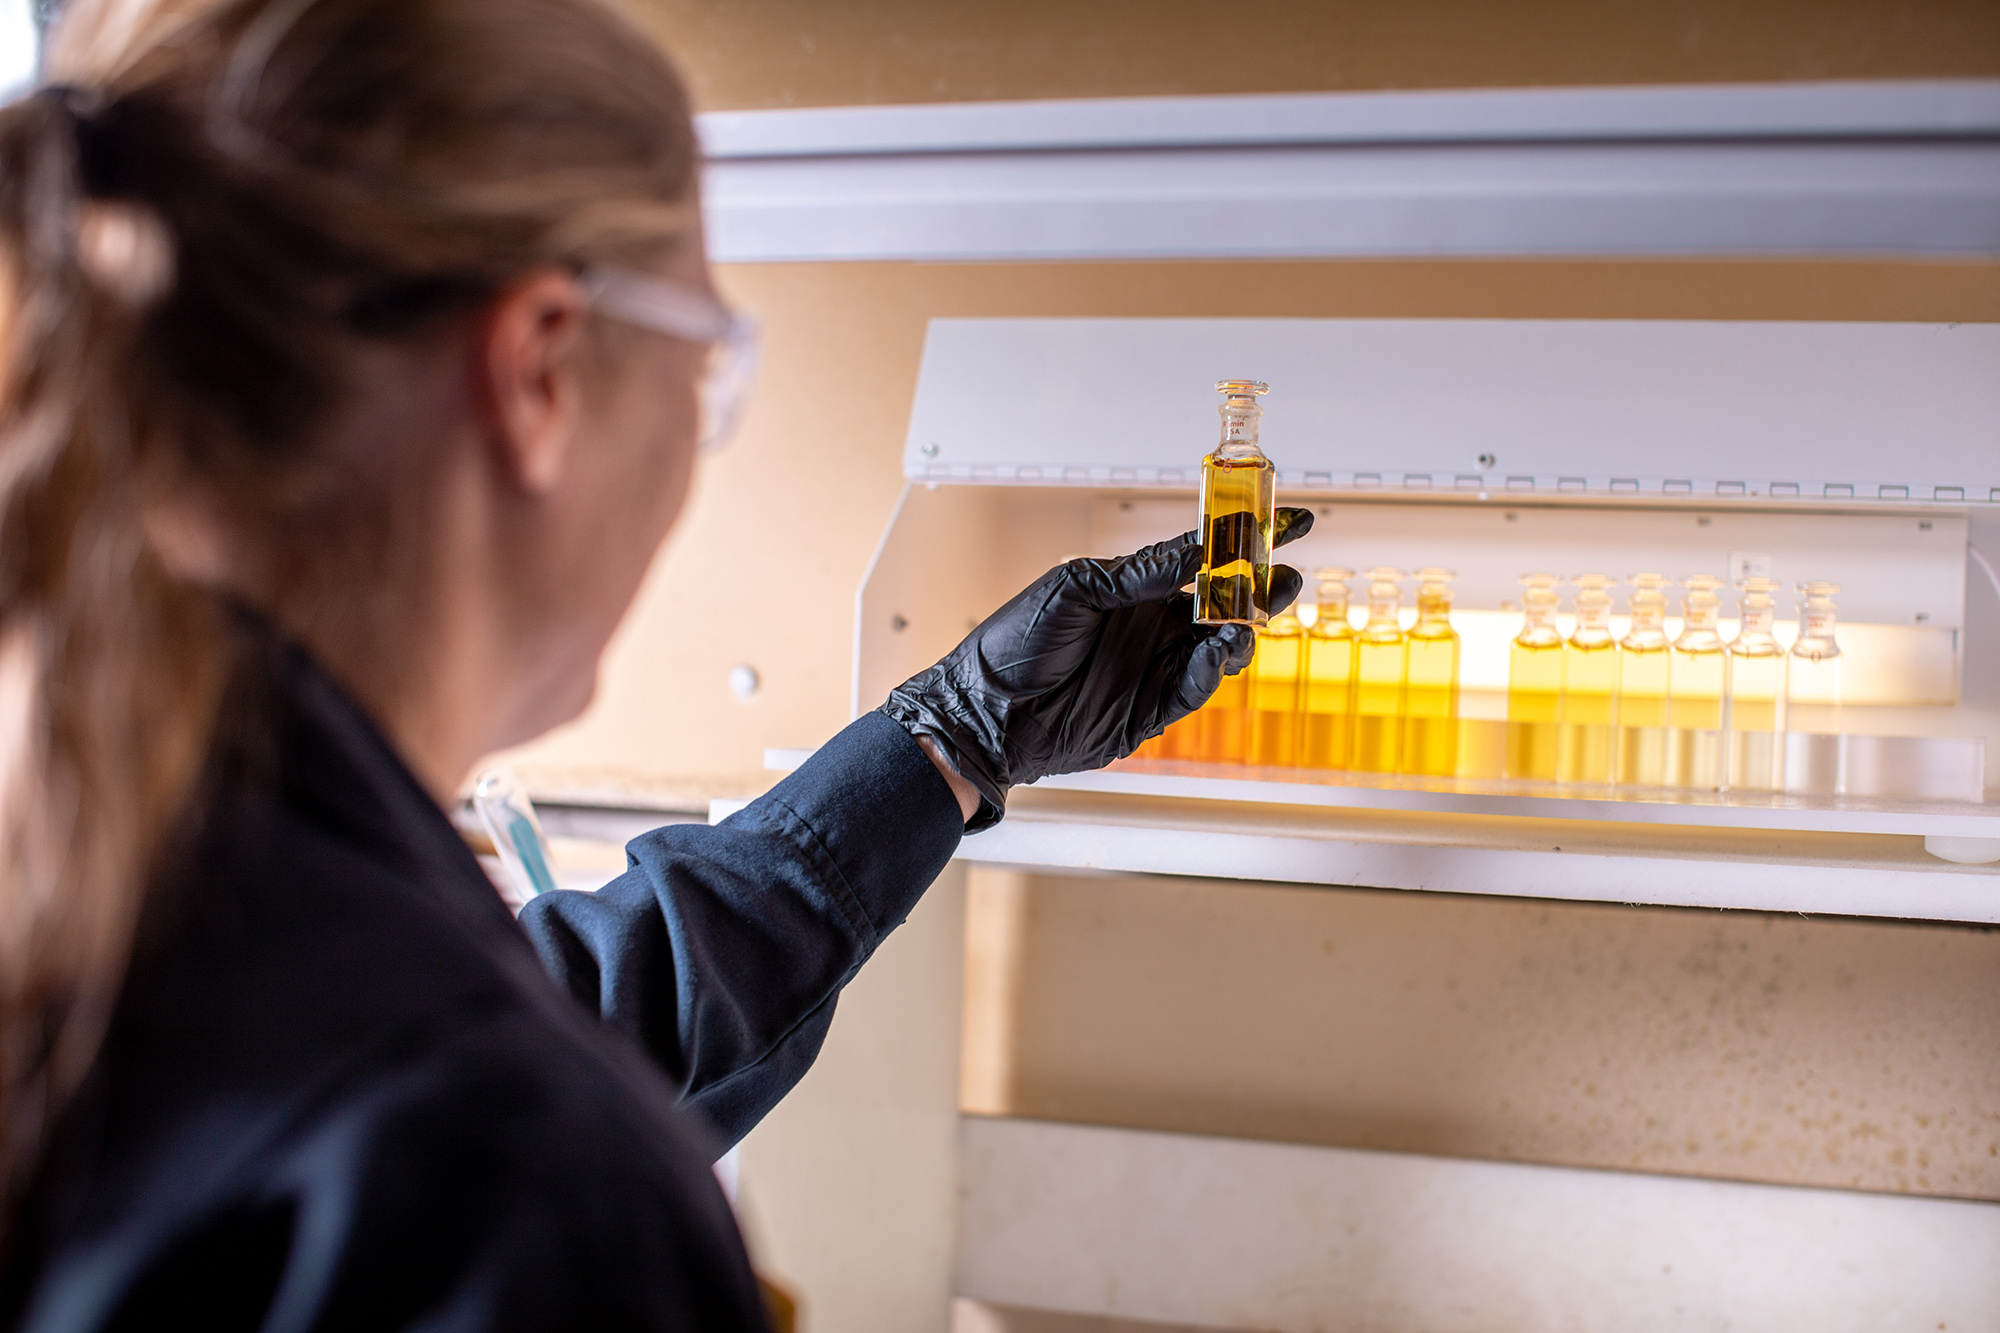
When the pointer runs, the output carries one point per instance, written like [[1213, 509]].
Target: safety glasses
[[681, 311]]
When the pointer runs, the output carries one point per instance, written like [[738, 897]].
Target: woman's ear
[[528, 358]]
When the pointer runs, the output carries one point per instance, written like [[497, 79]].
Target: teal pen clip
[[509, 819]]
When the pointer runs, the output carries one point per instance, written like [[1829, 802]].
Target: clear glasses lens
[[680, 311], [726, 382]]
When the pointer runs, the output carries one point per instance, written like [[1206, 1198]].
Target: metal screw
[[1487, 460], [929, 451], [898, 624]]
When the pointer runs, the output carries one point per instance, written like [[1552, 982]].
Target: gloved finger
[[1202, 675], [1242, 643], [1162, 569], [1149, 574], [1219, 652], [1285, 585]]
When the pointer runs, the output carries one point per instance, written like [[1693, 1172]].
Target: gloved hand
[[1093, 658]]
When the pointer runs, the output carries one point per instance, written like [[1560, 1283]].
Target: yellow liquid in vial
[[1238, 513], [1756, 739], [1430, 709], [1642, 717], [1378, 704], [1275, 674], [1329, 701], [1225, 721], [1534, 710], [1588, 741], [1182, 740], [1695, 683]]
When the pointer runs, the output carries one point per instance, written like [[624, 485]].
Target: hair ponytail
[[109, 671]]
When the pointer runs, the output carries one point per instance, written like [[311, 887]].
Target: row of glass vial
[[1381, 699], [1643, 710], [1695, 711]]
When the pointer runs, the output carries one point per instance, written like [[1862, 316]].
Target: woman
[[356, 356]]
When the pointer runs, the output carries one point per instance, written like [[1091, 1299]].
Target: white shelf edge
[[1798, 814], [1802, 814], [1043, 837], [1934, 892]]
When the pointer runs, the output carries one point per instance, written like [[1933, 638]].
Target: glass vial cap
[[1333, 582], [1242, 388], [1540, 589]]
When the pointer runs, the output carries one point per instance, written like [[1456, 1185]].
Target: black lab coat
[[342, 1091]]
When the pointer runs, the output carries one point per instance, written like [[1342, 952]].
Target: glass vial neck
[[1816, 622], [1332, 599], [1385, 601], [1699, 612], [1434, 599], [1755, 639], [1242, 417], [1593, 610], [1539, 602], [1649, 614], [1593, 620]]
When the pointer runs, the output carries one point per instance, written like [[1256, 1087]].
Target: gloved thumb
[[1286, 583], [1216, 655]]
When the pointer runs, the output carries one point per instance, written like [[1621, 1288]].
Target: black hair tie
[[104, 155]]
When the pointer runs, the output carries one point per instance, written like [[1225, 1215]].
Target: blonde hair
[[222, 210]]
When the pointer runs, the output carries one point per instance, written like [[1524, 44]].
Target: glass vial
[[1697, 684], [1380, 667], [1756, 711], [1238, 512], [1642, 686], [1277, 675], [1812, 668], [1430, 708], [1588, 739], [1535, 683], [1328, 699]]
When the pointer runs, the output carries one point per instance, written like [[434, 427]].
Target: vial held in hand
[[1239, 497]]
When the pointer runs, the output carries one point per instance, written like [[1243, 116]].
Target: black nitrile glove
[[1093, 658]]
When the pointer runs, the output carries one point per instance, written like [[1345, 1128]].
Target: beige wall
[[754, 53], [1734, 1045]]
